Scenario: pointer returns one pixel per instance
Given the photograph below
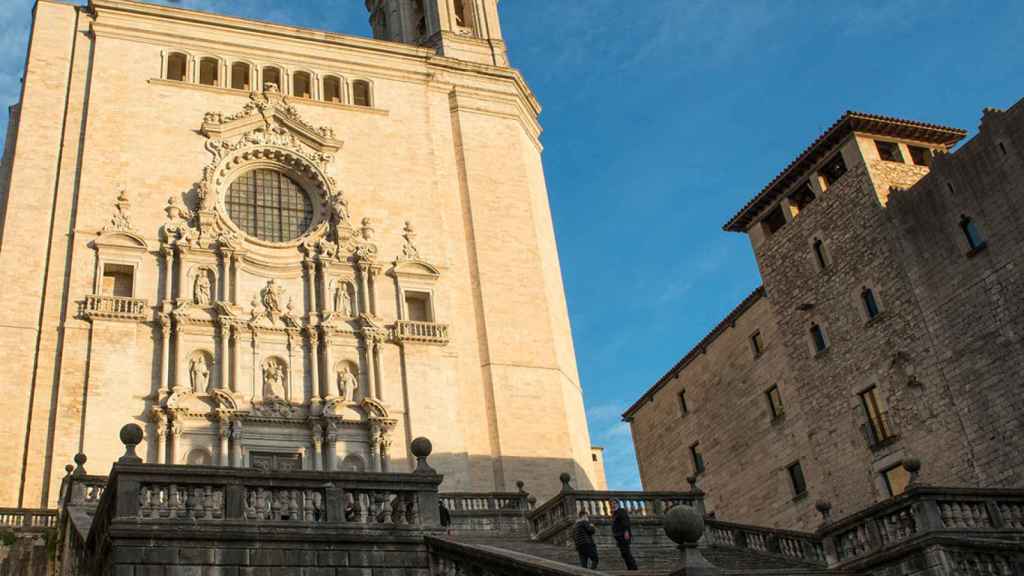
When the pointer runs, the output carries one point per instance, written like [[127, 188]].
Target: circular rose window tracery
[[269, 205]]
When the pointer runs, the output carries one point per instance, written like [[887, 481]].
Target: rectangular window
[[896, 480], [878, 429], [118, 280], [417, 307], [757, 343], [818, 336], [801, 197], [889, 151], [833, 169], [683, 408], [796, 479], [920, 156], [970, 230], [775, 401], [697, 457], [774, 221], [870, 304]]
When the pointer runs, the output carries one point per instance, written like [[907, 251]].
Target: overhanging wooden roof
[[849, 123]]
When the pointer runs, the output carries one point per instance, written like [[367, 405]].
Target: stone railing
[[491, 512], [449, 558], [786, 543], [27, 519], [423, 332], [114, 308]]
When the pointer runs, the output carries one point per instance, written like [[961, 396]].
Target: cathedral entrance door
[[276, 461]]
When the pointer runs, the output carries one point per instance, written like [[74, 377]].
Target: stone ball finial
[[131, 436], [565, 478], [913, 467], [683, 525], [69, 468], [421, 448], [824, 507], [80, 460], [521, 486], [532, 501]]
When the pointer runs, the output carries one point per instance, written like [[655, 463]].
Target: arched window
[[240, 76], [353, 463], [177, 66], [302, 85], [209, 72], [269, 205], [199, 457], [971, 233], [272, 75], [820, 255], [361, 93], [332, 89], [818, 338], [867, 296]]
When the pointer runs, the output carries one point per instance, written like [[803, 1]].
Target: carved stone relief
[[202, 288], [199, 366], [274, 378], [348, 382]]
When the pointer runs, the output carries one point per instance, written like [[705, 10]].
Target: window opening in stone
[[420, 16], [272, 75], [199, 457], [867, 295], [796, 479], [833, 169], [757, 343], [269, 205], [1002, 148], [301, 85], [775, 401], [240, 76], [417, 306], [819, 254], [879, 428], [920, 156], [177, 66], [463, 15], [889, 151], [361, 93], [208, 71], [800, 198], [774, 221], [896, 479], [971, 233], [697, 458], [684, 409], [332, 89], [818, 336], [118, 280]]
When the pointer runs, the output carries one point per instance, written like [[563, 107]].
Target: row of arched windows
[[240, 75]]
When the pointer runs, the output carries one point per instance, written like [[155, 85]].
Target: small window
[[757, 343], [593, 457], [272, 75], [801, 197], [818, 338], [301, 85], [889, 151], [820, 254], [177, 66], [332, 89], [920, 156], [774, 221], [684, 409], [417, 307], [420, 16], [240, 76], [833, 170], [796, 479], [118, 280], [361, 93], [463, 16], [208, 72], [775, 402], [972, 234], [697, 458], [896, 480], [867, 296], [1002, 148], [879, 428]]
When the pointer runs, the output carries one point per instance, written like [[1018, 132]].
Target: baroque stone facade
[[283, 249], [887, 330]]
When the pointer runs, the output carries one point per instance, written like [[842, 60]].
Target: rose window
[[269, 205]]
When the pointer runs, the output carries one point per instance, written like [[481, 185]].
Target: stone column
[[168, 271], [318, 455], [371, 372], [236, 444], [224, 433], [160, 423], [257, 390], [376, 368], [234, 278], [332, 446], [176, 432], [165, 353], [330, 375], [181, 288], [225, 353], [290, 372], [236, 372], [314, 359], [307, 270], [178, 385], [372, 294], [364, 289]]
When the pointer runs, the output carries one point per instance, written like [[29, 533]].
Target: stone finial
[[131, 436], [913, 467], [532, 501], [521, 486], [692, 481], [824, 507], [421, 448], [80, 460], [68, 469], [367, 230], [685, 526], [565, 478]]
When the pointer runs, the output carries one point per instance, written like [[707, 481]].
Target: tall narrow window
[[920, 156], [878, 428], [332, 89], [757, 343], [361, 93], [177, 66], [775, 402], [896, 480], [697, 458], [683, 408], [818, 338], [118, 280], [867, 296], [796, 479], [209, 70], [889, 151], [272, 75], [302, 85], [240, 76], [420, 16], [463, 14], [971, 233], [833, 169], [417, 307], [820, 257]]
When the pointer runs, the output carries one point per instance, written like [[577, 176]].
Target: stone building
[[281, 248], [888, 328]]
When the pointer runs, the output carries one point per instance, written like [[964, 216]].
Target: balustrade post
[[995, 514], [234, 501], [926, 515], [771, 542], [828, 544], [127, 503], [334, 505]]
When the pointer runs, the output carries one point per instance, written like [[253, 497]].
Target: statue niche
[[199, 366], [274, 379], [202, 287], [343, 299], [348, 381]]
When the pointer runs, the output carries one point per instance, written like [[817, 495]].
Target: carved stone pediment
[[186, 404], [270, 117], [275, 407], [374, 409]]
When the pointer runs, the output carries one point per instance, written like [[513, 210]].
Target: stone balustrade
[[450, 558], [488, 511], [423, 332], [27, 519], [787, 543], [114, 308]]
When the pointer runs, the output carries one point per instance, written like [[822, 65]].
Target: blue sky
[[663, 117]]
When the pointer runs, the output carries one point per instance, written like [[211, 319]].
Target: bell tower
[[462, 29]]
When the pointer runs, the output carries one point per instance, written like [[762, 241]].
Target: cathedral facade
[[282, 248]]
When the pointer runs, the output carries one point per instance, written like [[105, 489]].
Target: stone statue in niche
[[343, 300], [273, 380], [348, 384], [199, 373], [272, 295], [339, 209], [203, 289]]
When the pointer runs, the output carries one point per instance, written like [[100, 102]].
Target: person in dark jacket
[[623, 533], [583, 537]]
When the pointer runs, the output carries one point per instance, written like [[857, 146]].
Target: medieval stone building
[[281, 248], [888, 329]]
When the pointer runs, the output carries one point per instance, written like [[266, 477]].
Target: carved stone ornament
[[409, 249], [274, 379], [177, 228], [121, 221]]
